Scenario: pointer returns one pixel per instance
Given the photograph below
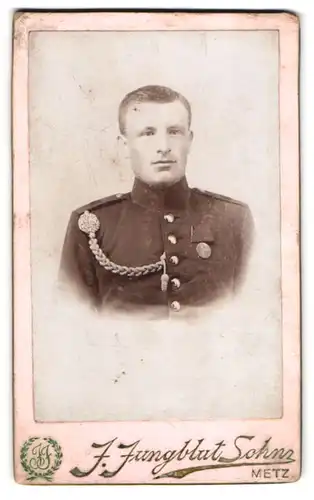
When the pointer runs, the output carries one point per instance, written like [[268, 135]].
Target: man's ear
[[121, 139], [191, 135], [122, 144]]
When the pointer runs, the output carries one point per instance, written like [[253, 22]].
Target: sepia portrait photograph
[[155, 193]]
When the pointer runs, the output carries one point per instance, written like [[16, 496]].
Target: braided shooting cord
[[89, 224]]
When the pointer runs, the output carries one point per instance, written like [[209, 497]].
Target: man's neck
[[162, 196]]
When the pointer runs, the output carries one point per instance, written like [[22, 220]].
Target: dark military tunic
[[204, 237]]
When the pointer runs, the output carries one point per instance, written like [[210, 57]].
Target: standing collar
[[175, 197]]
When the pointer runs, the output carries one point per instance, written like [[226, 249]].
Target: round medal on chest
[[203, 249]]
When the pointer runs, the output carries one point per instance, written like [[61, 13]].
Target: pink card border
[[76, 438]]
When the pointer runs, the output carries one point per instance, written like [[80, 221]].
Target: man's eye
[[175, 131], [147, 132]]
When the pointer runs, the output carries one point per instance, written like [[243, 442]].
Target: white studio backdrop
[[76, 82]]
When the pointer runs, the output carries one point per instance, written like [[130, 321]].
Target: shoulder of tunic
[[220, 197], [103, 202]]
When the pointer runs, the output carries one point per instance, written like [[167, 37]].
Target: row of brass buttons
[[175, 305], [172, 239]]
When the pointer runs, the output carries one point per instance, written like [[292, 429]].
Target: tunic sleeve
[[245, 240], [77, 274]]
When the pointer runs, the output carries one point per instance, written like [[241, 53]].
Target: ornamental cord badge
[[88, 223]]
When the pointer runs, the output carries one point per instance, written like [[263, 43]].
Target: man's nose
[[163, 144]]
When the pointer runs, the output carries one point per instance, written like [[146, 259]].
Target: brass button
[[175, 306], [172, 239], [174, 260], [176, 283], [169, 218]]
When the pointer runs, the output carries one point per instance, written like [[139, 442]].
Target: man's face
[[158, 138]]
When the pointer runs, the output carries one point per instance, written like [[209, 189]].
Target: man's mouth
[[164, 164], [163, 161]]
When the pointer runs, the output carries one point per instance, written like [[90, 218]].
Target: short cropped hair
[[151, 93]]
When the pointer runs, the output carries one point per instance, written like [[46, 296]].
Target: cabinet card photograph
[[156, 247]]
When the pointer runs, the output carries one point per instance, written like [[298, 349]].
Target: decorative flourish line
[[181, 473]]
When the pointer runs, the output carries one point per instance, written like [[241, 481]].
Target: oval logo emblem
[[204, 251]]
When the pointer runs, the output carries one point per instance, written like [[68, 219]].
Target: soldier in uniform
[[163, 244]]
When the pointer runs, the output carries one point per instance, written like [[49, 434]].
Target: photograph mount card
[[156, 248]]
